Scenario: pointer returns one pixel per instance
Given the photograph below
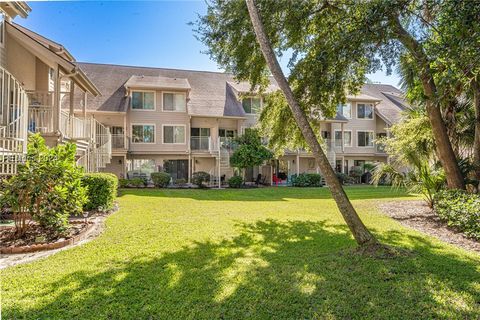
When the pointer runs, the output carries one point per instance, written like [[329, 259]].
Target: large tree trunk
[[476, 142], [444, 150], [358, 229]]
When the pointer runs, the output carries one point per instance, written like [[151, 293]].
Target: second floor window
[[143, 133], [345, 110], [251, 104], [174, 102], [347, 141], [365, 138], [143, 100], [174, 134], [365, 111]]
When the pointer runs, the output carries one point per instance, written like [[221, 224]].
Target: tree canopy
[[250, 152]]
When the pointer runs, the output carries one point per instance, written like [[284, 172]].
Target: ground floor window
[[140, 168], [338, 166]]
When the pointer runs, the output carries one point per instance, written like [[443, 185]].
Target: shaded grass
[[280, 253]]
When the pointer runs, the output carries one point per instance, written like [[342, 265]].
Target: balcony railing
[[119, 141], [228, 143], [201, 143], [13, 123]]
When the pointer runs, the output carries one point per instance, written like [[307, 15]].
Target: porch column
[[56, 101], [84, 107], [72, 93], [219, 173], [189, 166], [298, 162]]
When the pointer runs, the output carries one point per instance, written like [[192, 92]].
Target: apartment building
[[183, 121], [136, 120]]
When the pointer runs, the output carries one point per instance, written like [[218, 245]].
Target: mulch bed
[[35, 233], [36, 239], [417, 215]]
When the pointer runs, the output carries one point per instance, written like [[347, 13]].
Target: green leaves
[[250, 152], [47, 186]]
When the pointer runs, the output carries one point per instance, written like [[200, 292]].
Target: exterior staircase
[[13, 123]]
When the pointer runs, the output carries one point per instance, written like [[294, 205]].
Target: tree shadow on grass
[[272, 269], [268, 194]]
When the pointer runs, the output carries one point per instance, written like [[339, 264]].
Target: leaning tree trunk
[[444, 148], [476, 142], [358, 229]]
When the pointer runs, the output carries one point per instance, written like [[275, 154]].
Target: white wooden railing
[[13, 123]]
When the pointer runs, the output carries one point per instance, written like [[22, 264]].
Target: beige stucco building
[[136, 120]]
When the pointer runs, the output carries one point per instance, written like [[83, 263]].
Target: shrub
[[180, 182], [235, 182], [307, 180], [460, 210], [102, 190], [123, 183], [342, 177], [199, 178], [160, 179], [137, 182], [47, 186]]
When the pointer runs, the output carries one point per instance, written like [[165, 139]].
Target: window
[[225, 133], [174, 102], [143, 100], [365, 138], [345, 110], [365, 111], [251, 105], [174, 134], [143, 133], [347, 139]]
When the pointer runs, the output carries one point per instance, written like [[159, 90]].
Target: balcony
[[201, 144], [119, 141]]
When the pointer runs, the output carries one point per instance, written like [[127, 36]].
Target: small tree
[[47, 187], [251, 152]]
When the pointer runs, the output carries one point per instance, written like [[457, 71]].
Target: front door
[[178, 169]]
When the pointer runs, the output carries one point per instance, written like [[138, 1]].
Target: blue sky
[[153, 33]]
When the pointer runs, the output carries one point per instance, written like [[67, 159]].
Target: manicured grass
[[281, 253]]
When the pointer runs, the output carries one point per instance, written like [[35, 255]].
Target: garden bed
[[417, 215], [36, 240]]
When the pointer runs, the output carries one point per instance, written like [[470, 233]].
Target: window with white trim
[[251, 105], [143, 100], [347, 138], [174, 102], [365, 138], [345, 110], [365, 111], [142, 133], [174, 134]]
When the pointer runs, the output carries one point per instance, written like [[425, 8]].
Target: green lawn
[[281, 253]]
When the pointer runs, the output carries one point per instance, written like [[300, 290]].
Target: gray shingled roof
[[157, 82], [209, 95], [392, 102]]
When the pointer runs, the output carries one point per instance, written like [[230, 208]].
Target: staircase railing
[[13, 123]]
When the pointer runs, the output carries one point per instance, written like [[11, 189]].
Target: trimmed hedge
[[101, 190], [460, 210], [198, 178], [307, 180], [235, 182], [160, 179]]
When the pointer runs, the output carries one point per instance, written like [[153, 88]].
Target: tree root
[[379, 250]]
